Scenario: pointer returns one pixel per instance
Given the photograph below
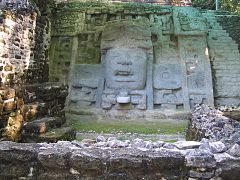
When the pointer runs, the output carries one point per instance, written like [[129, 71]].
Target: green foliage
[[44, 5], [228, 5], [231, 5], [209, 4]]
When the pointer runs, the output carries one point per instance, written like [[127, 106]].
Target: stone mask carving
[[126, 68]]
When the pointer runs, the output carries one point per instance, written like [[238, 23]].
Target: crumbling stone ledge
[[212, 158], [232, 112]]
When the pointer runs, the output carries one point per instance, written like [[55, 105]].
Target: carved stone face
[[126, 68]]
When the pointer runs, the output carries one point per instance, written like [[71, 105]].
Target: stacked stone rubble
[[215, 157], [43, 113], [17, 40], [219, 135], [210, 123], [232, 112], [38, 69]]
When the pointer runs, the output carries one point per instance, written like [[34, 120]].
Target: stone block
[[106, 105], [168, 97], [187, 144], [123, 100], [54, 135], [111, 98], [53, 159], [84, 93], [138, 99], [32, 111], [142, 106], [19, 103], [14, 127], [41, 126], [206, 175], [235, 150], [86, 162], [200, 159], [9, 105], [8, 93]]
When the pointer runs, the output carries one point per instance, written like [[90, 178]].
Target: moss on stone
[[85, 123]]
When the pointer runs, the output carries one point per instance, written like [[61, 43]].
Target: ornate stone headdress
[[127, 33]]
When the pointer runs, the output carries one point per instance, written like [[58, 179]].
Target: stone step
[[225, 39], [218, 31], [218, 34], [217, 55], [59, 134], [224, 55], [232, 51], [214, 24], [228, 40], [43, 125], [227, 60], [211, 20], [223, 46], [32, 111], [215, 27], [218, 62], [224, 50], [223, 42], [220, 44], [208, 15]]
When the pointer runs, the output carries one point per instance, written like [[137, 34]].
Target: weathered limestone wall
[[215, 157], [25, 95], [38, 71], [17, 42]]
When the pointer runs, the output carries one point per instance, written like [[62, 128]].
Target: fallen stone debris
[[214, 155]]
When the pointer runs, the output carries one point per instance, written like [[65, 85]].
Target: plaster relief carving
[[126, 54], [196, 80], [127, 33], [189, 21], [197, 99], [84, 85], [149, 63], [86, 75], [167, 76], [167, 97]]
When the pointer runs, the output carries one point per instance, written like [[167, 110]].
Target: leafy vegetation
[[228, 5]]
